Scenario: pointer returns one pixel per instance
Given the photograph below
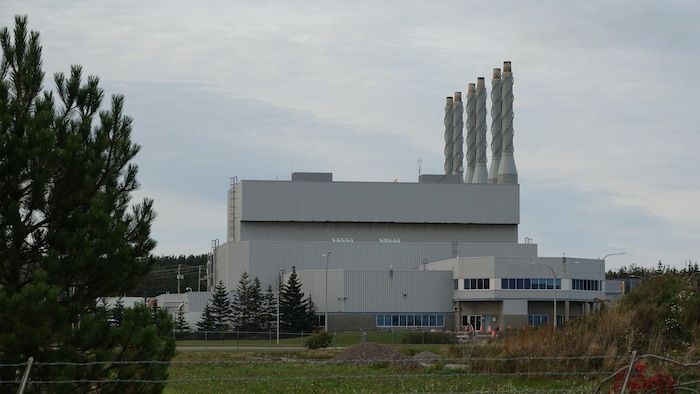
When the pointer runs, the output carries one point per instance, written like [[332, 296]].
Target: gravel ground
[[372, 353]]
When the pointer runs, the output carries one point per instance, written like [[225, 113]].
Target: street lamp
[[279, 290], [554, 274], [327, 255], [602, 275]]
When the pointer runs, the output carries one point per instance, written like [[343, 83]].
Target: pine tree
[[268, 311], [240, 304], [311, 317], [294, 308], [118, 311], [247, 304], [69, 232], [221, 308], [255, 306], [207, 322], [181, 324]]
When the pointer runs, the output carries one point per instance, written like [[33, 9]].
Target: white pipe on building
[[496, 124], [448, 135], [507, 172], [471, 133], [457, 135], [480, 171]]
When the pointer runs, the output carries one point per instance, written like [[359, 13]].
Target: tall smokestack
[[457, 135], [448, 136], [480, 172], [496, 124], [507, 173], [471, 133]]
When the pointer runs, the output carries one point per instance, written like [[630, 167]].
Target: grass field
[[233, 371], [339, 339], [250, 369]]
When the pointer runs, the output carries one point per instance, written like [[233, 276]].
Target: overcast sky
[[606, 107]]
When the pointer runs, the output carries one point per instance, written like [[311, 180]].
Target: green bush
[[429, 338], [318, 340]]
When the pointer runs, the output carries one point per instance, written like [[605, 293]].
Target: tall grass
[[661, 317]]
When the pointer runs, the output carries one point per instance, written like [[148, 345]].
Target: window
[[585, 284], [477, 284], [389, 240], [343, 240], [536, 320], [410, 320], [532, 283]]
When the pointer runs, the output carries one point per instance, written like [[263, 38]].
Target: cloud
[[605, 109]]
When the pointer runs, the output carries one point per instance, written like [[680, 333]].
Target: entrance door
[[472, 321]]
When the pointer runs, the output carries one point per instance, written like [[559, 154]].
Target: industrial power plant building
[[440, 253]]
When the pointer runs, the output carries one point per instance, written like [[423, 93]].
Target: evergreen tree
[[118, 311], [207, 321], [255, 306], [268, 311], [247, 304], [241, 304], [181, 323], [69, 232], [294, 308], [221, 308], [311, 317]]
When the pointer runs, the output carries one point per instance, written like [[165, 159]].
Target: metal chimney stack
[[471, 133], [507, 173], [480, 172], [496, 124], [457, 135], [448, 136]]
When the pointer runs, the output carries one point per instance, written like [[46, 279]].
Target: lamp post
[[279, 290], [327, 255], [554, 274], [602, 275]]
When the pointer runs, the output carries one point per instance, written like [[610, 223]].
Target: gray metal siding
[[379, 202], [372, 232], [402, 291], [265, 259]]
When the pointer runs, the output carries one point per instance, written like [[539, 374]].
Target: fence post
[[629, 371], [25, 377]]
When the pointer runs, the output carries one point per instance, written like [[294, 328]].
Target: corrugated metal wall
[[379, 202], [266, 259], [372, 232], [386, 291]]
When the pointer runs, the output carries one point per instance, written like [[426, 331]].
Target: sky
[[606, 107]]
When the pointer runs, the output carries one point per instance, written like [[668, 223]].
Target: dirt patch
[[371, 353], [426, 356]]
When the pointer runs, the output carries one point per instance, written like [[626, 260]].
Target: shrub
[[429, 338], [641, 382], [318, 340]]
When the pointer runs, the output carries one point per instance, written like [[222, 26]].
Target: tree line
[[250, 309], [162, 278]]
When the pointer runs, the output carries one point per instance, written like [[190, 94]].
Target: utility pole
[[179, 278]]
